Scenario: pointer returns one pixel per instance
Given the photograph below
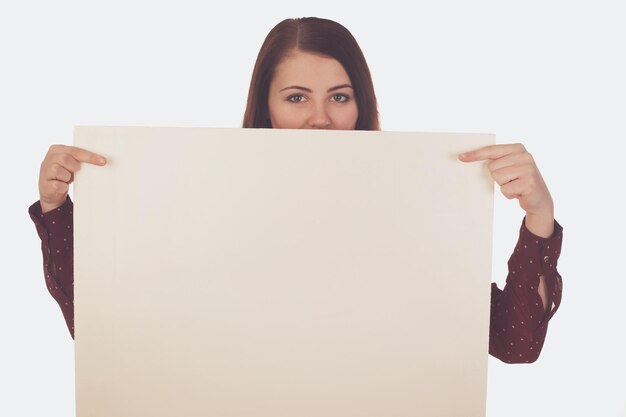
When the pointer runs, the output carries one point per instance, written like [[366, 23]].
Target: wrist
[[46, 206], [540, 224]]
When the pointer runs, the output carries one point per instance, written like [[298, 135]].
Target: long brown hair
[[311, 34]]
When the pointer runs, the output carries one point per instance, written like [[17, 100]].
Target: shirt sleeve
[[55, 229], [518, 319]]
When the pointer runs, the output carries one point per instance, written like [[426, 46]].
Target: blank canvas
[[267, 273]]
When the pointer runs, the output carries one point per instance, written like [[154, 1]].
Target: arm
[[521, 311], [55, 229], [53, 218]]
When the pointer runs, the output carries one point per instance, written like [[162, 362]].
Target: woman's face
[[311, 91]]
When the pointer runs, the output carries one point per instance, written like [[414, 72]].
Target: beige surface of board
[[266, 273]]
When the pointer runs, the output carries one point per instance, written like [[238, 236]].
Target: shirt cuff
[[535, 257], [540, 254], [52, 219]]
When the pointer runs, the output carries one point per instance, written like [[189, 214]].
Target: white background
[[545, 73]]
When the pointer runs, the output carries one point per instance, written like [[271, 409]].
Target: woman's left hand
[[514, 169]]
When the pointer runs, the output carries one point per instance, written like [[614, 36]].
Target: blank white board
[[266, 273]]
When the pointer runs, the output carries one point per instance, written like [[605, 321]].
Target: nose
[[319, 117]]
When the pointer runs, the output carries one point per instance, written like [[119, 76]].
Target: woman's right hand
[[57, 173]]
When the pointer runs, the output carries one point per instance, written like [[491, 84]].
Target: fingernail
[[463, 156], [101, 160]]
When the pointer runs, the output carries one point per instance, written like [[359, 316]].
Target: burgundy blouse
[[518, 320]]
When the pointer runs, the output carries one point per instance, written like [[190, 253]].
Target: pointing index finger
[[83, 155], [488, 152]]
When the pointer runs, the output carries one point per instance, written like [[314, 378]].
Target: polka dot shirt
[[55, 229], [518, 319]]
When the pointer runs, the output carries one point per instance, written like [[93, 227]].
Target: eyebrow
[[308, 90]]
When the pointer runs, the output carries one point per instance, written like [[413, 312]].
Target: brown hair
[[311, 34]]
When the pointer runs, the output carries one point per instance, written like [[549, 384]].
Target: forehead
[[299, 68]]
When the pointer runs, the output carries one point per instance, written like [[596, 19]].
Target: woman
[[311, 74]]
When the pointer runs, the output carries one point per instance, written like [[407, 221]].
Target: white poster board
[[296, 273]]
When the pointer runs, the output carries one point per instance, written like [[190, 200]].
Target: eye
[[296, 98], [340, 98]]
